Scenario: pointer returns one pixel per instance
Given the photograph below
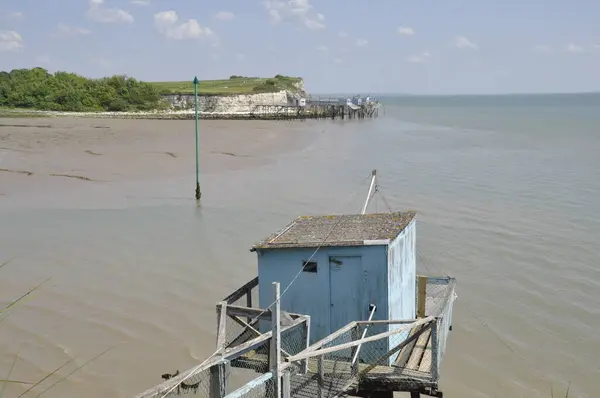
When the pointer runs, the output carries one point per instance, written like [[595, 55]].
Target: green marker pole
[[198, 193]]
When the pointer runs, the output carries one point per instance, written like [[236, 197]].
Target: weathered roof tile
[[338, 230]]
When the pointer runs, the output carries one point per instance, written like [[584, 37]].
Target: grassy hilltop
[[37, 89], [235, 85]]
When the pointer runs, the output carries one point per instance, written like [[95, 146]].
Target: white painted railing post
[[434, 350], [307, 335], [275, 351]]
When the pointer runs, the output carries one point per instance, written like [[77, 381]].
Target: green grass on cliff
[[235, 85]]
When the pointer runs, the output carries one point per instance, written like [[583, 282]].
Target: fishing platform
[[354, 318]]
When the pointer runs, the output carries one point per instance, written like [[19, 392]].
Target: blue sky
[[390, 46]]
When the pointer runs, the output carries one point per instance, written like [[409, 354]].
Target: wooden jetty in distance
[[329, 108], [354, 318]]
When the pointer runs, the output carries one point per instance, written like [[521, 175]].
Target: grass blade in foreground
[[69, 374], [6, 262], [9, 373], [23, 296], [47, 376]]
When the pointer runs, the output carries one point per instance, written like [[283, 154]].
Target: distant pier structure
[[320, 108]]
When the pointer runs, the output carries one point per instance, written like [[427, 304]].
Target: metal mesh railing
[[408, 352], [260, 387], [323, 375], [437, 293], [445, 323], [338, 364]]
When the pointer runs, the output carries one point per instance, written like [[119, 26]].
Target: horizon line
[[455, 94]]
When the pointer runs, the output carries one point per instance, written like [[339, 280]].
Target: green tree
[[63, 91]]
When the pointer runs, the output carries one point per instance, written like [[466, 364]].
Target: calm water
[[508, 195]]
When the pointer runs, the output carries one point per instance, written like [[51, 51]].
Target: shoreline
[[266, 112], [145, 115]]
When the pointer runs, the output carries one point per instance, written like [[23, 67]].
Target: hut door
[[345, 277]]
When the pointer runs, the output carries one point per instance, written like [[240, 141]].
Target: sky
[[337, 46]]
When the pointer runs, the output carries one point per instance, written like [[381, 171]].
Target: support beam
[[221, 322], [239, 293], [249, 302], [218, 380]]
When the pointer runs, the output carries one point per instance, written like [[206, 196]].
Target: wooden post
[[321, 377], [218, 381], [249, 302], [434, 350], [275, 351], [221, 322], [286, 385], [422, 296]]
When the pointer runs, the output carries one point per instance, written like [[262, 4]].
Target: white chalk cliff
[[243, 103]]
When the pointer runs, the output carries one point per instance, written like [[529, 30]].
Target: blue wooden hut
[[361, 260]]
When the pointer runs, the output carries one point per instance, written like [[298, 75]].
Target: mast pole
[[370, 194]]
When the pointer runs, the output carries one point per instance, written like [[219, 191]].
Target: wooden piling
[[422, 295]]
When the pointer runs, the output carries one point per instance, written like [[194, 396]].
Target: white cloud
[[225, 16], [596, 47], [322, 49], [64, 30], [167, 24], [465, 44], [99, 13], [342, 34], [574, 48], [10, 40], [406, 31], [17, 15], [419, 58], [300, 11], [362, 42], [240, 57], [338, 61], [140, 2], [543, 48]]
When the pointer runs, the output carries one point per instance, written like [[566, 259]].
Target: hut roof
[[338, 230]]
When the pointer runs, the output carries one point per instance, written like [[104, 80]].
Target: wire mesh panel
[[260, 387], [438, 291], [295, 339], [444, 325], [199, 381]]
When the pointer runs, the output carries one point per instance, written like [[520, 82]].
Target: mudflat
[[38, 154]]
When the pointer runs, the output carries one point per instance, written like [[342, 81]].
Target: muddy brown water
[[105, 209]]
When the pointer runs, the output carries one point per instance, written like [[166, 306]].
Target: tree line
[[62, 91]]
